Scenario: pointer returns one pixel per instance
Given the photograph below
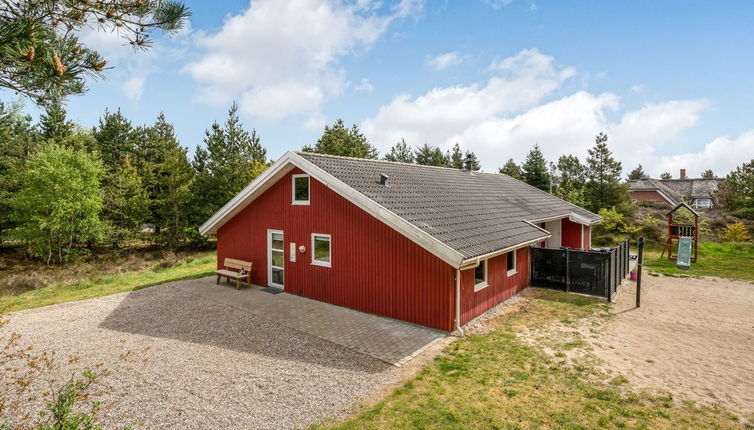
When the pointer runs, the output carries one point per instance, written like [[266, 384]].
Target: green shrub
[[59, 203], [613, 227], [747, 213], [736, 233], [651, 227]]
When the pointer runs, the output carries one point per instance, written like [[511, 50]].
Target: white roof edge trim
[[410, 231], [215, 221], [579, 219]]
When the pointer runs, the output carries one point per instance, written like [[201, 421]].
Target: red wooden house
[[433, 246]]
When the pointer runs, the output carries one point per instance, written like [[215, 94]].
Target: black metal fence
[[598, 272]]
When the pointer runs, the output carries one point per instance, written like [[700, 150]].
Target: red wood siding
[[374, 268], [501, 286], [571, 233]]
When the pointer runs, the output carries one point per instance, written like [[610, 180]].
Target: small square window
[[480, 276], [321, 252], [300, 189], [511, 260]]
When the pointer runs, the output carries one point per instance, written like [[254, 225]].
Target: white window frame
[[316, 262], [705, 206], [484, 284], [293, 189], [514, 270]]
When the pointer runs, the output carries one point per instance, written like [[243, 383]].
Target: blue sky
[[670, 82]]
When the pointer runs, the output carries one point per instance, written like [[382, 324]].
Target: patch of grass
[[203, 264], [725, 260], [497, 380]]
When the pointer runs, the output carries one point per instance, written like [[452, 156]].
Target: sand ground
[[691, 336]]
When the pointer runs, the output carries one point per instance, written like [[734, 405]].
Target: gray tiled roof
[[474, 214], [679, 189]]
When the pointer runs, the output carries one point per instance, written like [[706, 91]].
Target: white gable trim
[[259, 185], [572, 216], [286, 163]]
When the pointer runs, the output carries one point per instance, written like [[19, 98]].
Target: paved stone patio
[[386, 339]]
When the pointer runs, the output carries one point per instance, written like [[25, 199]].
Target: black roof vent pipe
[[468, 164], [383, 179]]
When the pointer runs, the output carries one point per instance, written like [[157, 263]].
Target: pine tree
[[511, 169], [571, 179], [708, 174], [43, 56], [174, 199], [736, 192], [339, 140], [54, 125], [455, 157], [166, 171], [534, 171], [115, 140], [230, 159], [603, 188], [637, 173], [126, 204], [430, 156], [666, 175], [18, 141], [400, 152]]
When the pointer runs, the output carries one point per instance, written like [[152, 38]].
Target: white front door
[[275, 258]]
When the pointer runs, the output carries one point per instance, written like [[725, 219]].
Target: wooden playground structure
[[676, 231]]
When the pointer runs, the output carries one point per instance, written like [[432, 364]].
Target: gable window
[[703, 203], [321, 252], [300, 189], [511, 260], [480, 276]]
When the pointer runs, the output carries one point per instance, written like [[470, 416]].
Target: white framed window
[[300, 189], [321, 250], [480, 276], [703, 203], [511, 262]]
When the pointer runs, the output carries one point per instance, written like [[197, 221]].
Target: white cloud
[[721, 155], [443, 61], [133, 88], [636, 89], [364, 86], [504, 116], [282, 58]]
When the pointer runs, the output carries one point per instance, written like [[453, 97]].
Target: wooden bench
[[232, 263]]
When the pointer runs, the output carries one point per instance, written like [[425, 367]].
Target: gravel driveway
[[199, 363]]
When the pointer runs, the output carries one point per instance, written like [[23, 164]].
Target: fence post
[[608, 287], [568, 270], [638, 272]]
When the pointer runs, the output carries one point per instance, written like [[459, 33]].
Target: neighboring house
[[433, 246], [698, 192]]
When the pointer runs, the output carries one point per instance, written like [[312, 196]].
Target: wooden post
[[568, 270], [638, 272], [696, 235]]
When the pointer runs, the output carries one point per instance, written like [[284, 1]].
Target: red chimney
[[683, 173]]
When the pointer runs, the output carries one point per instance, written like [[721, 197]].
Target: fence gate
[[595, 272]]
